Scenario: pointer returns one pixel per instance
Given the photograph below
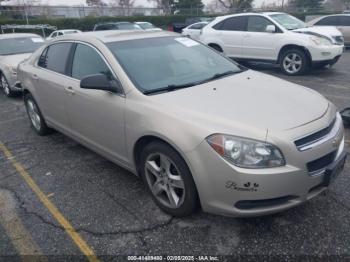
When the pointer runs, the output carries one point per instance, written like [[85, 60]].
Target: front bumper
[[229, 190], [325, 53]]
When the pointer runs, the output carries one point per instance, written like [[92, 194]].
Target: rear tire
[[36, 119], [294, 62], [168, 179]]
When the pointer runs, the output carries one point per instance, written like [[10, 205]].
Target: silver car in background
[[340, 21], [14, 48], [198, 128], [194, 30]]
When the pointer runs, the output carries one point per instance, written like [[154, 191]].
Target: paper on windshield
[[186, 41], [37, 40]]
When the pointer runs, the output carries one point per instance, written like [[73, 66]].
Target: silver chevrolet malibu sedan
[[199, 129]]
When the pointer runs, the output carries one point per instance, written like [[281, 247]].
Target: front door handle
[[70, 90], [35, 77]]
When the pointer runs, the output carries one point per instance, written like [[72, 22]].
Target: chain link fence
[[27, 12]]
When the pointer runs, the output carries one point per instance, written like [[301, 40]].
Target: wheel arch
[[294, 46], [144, 140]]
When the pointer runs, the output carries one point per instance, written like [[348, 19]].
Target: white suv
[[274, 37]]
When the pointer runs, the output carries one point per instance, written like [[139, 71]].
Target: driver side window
[[87, 62]]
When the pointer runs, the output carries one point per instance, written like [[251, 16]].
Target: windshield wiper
[[169, 88], [219, 75]]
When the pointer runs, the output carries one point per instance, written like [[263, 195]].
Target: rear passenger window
[[55, 57], [42, 58], [87, 62], [233, 24]]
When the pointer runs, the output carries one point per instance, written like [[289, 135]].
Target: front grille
[[263, 203], [321, 163], [339, 40], [310, 139]]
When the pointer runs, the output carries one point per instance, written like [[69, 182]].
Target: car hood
[[329, 31], [249, 99], [14, 60]]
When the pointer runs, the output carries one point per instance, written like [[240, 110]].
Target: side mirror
[[100, 82], [270, 29]]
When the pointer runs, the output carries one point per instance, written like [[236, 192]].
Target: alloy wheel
[[164, 180], [292, 63], [33, 113]]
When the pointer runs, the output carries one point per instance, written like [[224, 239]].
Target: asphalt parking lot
[[110, 210]]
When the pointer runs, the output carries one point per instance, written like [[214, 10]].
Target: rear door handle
[[70, 90], [35, 77]]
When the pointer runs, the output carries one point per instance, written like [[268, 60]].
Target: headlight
[[320, 40], [246, 153]]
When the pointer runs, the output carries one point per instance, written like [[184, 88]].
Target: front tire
[[294, 62], [36, 119], [5, 86], [168, 179]]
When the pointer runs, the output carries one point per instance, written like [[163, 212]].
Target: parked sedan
[[148, 26], [116, 26], [341, 21], [14, 48], [62, 32], [194, 30], [199, 129]]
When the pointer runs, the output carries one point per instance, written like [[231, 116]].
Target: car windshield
[[169, 63], [20, 45], [288, 22], [146, 25], [128, 26]]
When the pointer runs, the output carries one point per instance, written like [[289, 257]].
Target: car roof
[[113, 23], [17, 35], [116, 35], [251, 13]]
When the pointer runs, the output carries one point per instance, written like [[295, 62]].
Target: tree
[[164, 5], [306, 5], [189, 6], [236, 5], [94, 2], [124, 6], [214, 7]]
